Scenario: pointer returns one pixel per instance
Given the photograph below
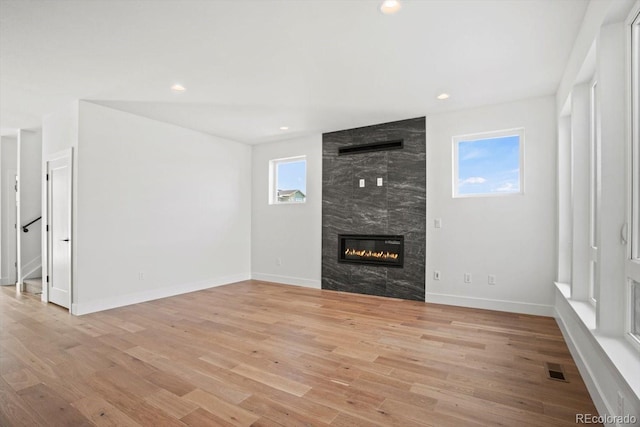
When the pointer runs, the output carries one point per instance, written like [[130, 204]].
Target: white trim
[[18, 216], [287, 280], [153, 294], [66, 153], [607, 364], [632, 264], [456, 140], [585, 371], [1, 213], [273, 179], [9, 175], [594, 191], [633, 339], [490, 304], [633, 131]]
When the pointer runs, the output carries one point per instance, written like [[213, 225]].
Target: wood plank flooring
[[262, 354]]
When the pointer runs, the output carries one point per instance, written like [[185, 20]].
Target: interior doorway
[[58, 229], [9, 250]]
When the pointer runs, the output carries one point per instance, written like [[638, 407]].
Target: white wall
[[30, 198], [580, 190], [8, 169], [291, 233], [565, 217], [161, 210], [60, 133], [60, 130], [513, 237]]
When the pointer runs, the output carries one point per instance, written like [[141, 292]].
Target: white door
[[59, 236]]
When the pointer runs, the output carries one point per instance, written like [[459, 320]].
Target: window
[[488, 164], [288, 180], [594, 196], [635, 133], [634, 323], [633, 261]]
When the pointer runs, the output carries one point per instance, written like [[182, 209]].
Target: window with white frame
[[594, 199], [488, 164], [635, 133], [634, 327], [288, 180], [633, 262]]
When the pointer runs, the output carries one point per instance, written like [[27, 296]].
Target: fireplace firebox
[[380, 250]]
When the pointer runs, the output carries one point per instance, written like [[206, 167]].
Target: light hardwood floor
[[262, 354]]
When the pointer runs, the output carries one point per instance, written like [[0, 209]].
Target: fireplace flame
[[370, 254]]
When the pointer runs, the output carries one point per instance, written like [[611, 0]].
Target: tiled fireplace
[[374, 210]]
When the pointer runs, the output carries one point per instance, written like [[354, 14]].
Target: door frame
[[18, 184], [46, 242], [9, 176]]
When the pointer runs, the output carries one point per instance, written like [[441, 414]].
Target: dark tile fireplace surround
[[374, 210]]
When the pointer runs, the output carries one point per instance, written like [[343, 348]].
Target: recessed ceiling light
[[284, 127], [389, 7], [443, 96], [178, 88]]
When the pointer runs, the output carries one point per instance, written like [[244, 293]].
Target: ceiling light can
[[389, 7]]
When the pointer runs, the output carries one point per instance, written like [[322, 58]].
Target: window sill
[[618, 350], [624, 357]]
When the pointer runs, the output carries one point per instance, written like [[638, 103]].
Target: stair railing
[[25, 227]]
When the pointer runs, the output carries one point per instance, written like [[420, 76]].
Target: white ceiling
[[252, 66]]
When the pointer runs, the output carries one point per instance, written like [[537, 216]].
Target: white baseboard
[[491, 304], [287, 280], [153, 294]]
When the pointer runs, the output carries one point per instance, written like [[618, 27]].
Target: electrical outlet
[[492, 279], [436, 275], [379, 182], [361, 183], [141, 276], [467, 277], [437, 223], [278, 261]]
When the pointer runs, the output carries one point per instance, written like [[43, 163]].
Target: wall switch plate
[[437, 223], [492, 279], [436, 275], [467, 277], [379, 182], [361, 183]]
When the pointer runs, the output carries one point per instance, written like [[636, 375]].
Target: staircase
[[33, 286]]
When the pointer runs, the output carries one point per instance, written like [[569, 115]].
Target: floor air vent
[[555, 372]]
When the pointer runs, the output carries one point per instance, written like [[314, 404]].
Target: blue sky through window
[[292, 176], [489, 166]]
